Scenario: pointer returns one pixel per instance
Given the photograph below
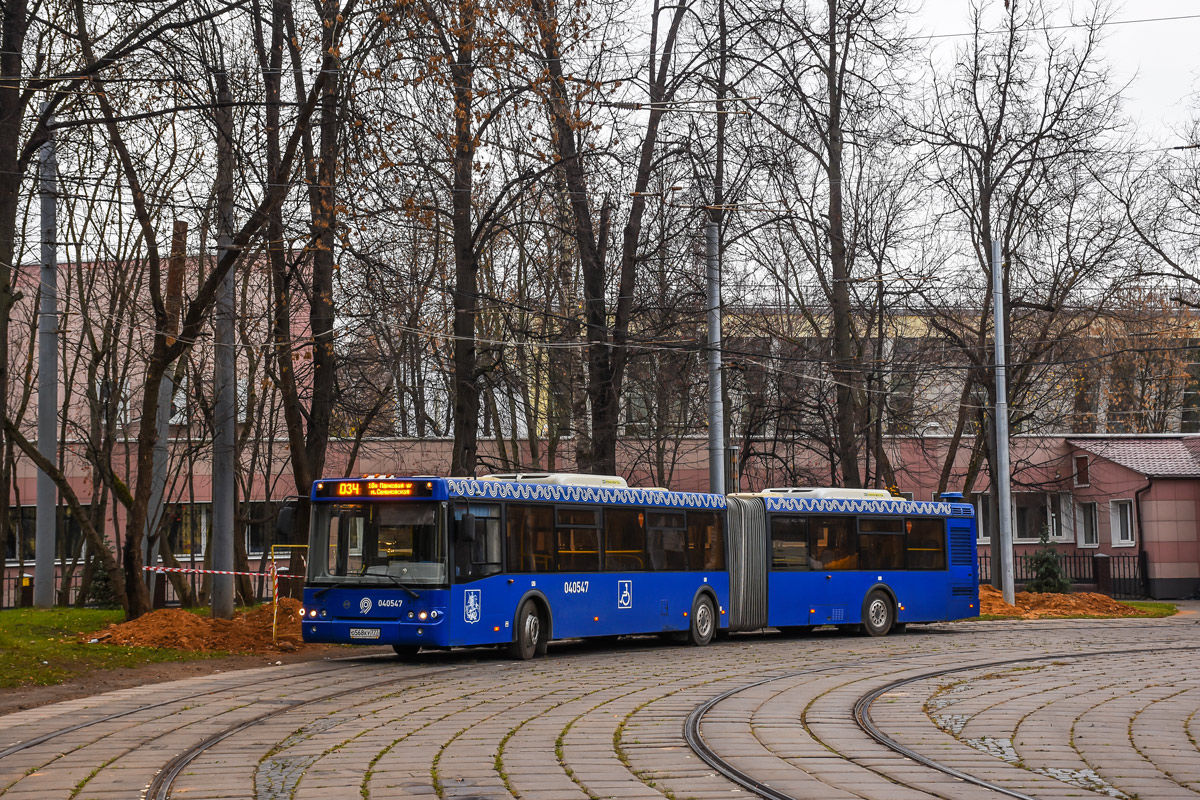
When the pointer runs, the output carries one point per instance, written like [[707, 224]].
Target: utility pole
[[224, 416], [1001, 479], [712, 240], [716, 410], [47, 492]]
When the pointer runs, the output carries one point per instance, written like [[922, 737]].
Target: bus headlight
[[422, 616]]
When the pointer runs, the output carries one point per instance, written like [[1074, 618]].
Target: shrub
[[102, 593], [1049, 577]]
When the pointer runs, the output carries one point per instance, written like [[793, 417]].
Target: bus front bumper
[[428, 633]]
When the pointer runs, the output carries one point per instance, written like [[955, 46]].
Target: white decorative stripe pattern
[[518, 490], [846, 506]]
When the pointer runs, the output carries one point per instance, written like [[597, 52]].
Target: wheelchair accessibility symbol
[[624, 594]]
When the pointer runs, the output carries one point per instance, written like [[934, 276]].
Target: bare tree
[[1014, 127]]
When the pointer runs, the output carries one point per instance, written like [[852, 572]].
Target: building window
[[1082, 478], [983, 517], [1121, 515], [22, 521], [259, 520], [180, 413], [1089, 534], [1031, 516], [114, 403], [187, 529]]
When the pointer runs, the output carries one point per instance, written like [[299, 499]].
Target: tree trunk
[[466, 261], [843, 341]]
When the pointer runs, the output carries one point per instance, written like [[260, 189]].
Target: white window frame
[[1081, 513], [181, 413], [1114, 518], [1075, 470], [1062, 525], [981, 503]]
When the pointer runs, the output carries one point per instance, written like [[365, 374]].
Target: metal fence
[[16, 590], [1117, 576]]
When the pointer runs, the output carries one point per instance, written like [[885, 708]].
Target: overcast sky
[[1160, 59]]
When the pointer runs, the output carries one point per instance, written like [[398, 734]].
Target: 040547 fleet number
[[575, 587]]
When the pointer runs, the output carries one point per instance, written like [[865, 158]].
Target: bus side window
[[666, 541], [624, 540], [530, 534], [578, 535], [705, 550], [789, 542], [831, 543], [881, 543], [926, 542]]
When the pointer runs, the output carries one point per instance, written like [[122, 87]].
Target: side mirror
[[287, 515], [466, 530]]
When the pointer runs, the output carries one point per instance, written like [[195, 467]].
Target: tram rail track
[[161, 783], [160, 786], [27, 744], [862, 718]]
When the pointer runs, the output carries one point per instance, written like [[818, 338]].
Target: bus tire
[[878, 614], [407, 652], [528, 637], [704, 622]]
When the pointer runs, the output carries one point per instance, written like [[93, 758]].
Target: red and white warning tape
[[275, 576], [221, 572]]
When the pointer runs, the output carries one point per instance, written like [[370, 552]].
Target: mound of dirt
[[1031, 605], [248, 632]]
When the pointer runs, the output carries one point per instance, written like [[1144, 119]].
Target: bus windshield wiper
[[411, 592]]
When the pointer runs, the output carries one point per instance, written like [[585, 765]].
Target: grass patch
[[41, 647], [1150, 609]]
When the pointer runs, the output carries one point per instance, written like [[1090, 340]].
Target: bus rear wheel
[[528, 639], [704, 622], [878, 614]]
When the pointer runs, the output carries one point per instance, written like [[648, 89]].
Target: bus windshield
[[379, 543]]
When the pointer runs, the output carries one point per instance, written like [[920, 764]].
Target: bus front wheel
[[407, 652], [878, 614], [529, 638], [704, 622]]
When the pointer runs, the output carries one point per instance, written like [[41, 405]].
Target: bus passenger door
[[481, 608], [794, 591], [840, 586]]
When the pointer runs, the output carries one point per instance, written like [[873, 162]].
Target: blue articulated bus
[[511, 560], [518, 560], [805, 557]]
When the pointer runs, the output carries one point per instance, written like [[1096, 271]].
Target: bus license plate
[[364, 633]]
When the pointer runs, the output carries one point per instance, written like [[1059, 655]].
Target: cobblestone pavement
[[1048, 709]]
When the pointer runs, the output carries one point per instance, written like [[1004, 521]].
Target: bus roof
[[492, 488]]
